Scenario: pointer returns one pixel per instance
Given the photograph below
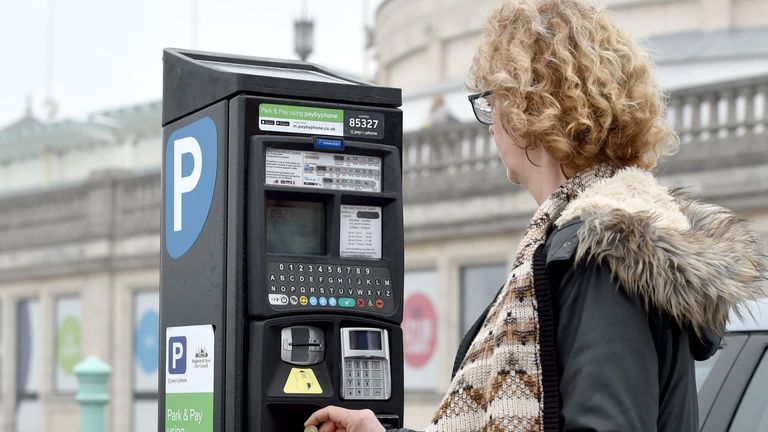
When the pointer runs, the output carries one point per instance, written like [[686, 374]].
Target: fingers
[[328, 427], [329, 414]]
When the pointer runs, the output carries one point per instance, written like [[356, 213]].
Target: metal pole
[[92, 395]]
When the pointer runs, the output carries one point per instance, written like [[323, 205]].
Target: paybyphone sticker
[[321, 121], [189, 379]]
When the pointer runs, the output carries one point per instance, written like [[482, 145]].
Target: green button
[[347, 302]]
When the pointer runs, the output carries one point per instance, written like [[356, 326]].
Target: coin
[[310, 428]]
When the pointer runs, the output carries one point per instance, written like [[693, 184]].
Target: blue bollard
[[92, 376]]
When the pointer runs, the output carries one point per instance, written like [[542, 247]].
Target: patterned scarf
[[498, 386]]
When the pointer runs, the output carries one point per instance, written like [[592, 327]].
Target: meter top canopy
[[195, 79]]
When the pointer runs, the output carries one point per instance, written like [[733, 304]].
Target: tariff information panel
[[323, 170], [360, 232], [189, 379]]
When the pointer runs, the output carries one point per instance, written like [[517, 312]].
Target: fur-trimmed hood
[[694, 261]]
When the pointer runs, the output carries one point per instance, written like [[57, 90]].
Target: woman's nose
[[490, 129]]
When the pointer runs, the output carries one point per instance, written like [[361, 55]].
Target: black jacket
[[620, 367]]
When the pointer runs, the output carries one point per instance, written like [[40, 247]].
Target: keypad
[[364, 379], [313, 285]]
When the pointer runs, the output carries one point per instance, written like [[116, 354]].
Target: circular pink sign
[[419, 330]]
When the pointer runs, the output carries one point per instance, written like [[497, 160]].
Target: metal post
[[92, 376]]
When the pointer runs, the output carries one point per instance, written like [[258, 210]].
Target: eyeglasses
[[482, 107]]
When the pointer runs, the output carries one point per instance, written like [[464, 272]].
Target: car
[[733, 384]]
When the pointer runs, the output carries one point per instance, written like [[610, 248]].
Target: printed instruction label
[[360, 232], [302, 381], [323, 170], [321, 121], [189, 379]]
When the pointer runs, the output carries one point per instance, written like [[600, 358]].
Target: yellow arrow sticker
[[302, 381]]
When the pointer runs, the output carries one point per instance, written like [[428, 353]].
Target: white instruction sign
[[189, 378], [360, 232], [323, 170]]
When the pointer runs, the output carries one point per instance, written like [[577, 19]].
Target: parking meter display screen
[[295, 228], [365, 340]]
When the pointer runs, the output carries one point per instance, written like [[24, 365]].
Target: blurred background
[[80, 153]]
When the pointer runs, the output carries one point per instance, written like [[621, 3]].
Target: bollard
[[92, 376]]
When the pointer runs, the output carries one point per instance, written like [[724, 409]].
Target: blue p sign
[[190, 177], [177, 355]]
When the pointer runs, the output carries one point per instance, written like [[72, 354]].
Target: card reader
[[365, 363], [302, 345]]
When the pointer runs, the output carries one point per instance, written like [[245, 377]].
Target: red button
[[379, 303], [360, 302]]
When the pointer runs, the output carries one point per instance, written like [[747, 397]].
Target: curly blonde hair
[[564, 76]]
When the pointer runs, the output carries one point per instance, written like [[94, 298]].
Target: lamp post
[[304, 36]]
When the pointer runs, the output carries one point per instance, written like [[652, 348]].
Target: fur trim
[[695, 261]]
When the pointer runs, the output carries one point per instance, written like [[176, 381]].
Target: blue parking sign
[[190, 178]]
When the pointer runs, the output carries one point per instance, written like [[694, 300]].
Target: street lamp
[[304, 29]]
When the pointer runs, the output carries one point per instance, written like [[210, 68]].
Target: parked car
[[733, 384]]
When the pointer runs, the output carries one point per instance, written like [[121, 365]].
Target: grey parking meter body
[[282, 244]]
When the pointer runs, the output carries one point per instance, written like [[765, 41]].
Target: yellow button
[[303, 300]]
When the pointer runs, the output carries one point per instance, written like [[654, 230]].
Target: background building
[[80, 203]]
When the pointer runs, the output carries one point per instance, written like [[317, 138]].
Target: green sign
[[189, 412], [68, 344], [291, 112]]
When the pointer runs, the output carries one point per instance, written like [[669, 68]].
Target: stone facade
[[98, 238], [80, 202], [420, 43]]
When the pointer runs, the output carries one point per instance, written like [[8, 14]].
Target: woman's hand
[[336, 419]]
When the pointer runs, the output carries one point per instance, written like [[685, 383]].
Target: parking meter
[[282, 244]]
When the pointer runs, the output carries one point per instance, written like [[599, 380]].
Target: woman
[[618, 284]]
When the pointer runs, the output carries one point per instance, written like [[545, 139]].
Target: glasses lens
[[483, 110]]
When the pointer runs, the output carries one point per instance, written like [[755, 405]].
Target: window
[[479, 284], [27, 366], [752, 413], [146, 345], [67, 337], [703, 368], [420, 330]]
